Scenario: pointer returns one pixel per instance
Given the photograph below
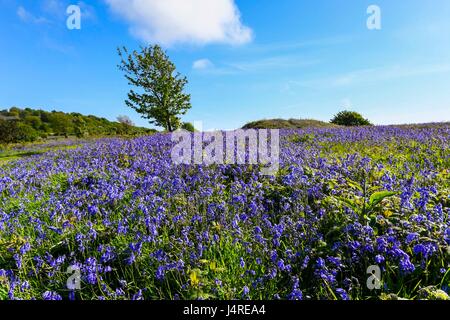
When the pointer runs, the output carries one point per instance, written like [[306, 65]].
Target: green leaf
[[355, 185], [349, 203], [3, 293], [377, 197]]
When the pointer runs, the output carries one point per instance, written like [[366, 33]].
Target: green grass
[[11, 155], [288, 124]]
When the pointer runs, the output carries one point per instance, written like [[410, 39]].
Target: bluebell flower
[[320, 263], [406, 266], [412, 237], [296, 294], [50, 295], [160, 273], [241, 262], [245, 291], [379, 259], [25, 248], [342, 293]]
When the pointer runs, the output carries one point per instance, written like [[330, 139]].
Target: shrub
[[25, 133], [188, 126], [350, 119], [14, 131]]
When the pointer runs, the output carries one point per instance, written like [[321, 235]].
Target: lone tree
[[349, 119], [162, 99]]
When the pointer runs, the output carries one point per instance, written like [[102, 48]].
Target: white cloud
[[179, 21], [27, 16], [202, 64]]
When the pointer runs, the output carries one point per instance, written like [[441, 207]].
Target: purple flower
[[241, 262], [50, 295], [25, 248], [296, 294], [245, 291], [379, 259], [320, 263], [411, 237], [406, 266], [160, 273], [342, 293], [280, 264], [72, 295]]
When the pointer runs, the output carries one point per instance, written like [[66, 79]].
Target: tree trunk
[[169, 125]]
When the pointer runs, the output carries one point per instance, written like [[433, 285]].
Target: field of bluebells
[[139, 227]]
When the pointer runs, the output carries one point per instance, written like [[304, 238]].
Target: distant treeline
[[28, 125]]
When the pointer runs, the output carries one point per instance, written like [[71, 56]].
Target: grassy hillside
[[287, 124], [28, 125]]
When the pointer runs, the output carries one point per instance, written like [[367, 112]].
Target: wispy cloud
[[53, 12], [28, 17], [57, 9], [57, 46], [202, 64], [272, 63], [373, 75], [296, 45], [346, 103], [87, 11], [253, 66]]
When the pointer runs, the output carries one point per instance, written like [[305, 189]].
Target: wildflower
[[406, 266], [25, 248], [160, 273], [50, 295], [379, 259], [18, 260], [411, 237], [241, 262], [280, 264], [320, 263], [245, 291], [342, 293], [25, 286]]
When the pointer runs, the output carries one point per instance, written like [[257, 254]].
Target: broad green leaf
[[377, 197]]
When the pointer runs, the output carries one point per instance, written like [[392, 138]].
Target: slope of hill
[[287, 124], [27, 125]]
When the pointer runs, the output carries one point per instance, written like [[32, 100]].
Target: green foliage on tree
[[161, 98], [350, 119], [7, 131], [28, 125], [188, 127]]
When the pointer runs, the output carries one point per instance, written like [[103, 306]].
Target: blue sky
[[245, 59]]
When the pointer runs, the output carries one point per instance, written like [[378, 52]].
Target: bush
[[14, 131], [19, 125], [25, 133], [350, 119], [7, 131], [188, 127]]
